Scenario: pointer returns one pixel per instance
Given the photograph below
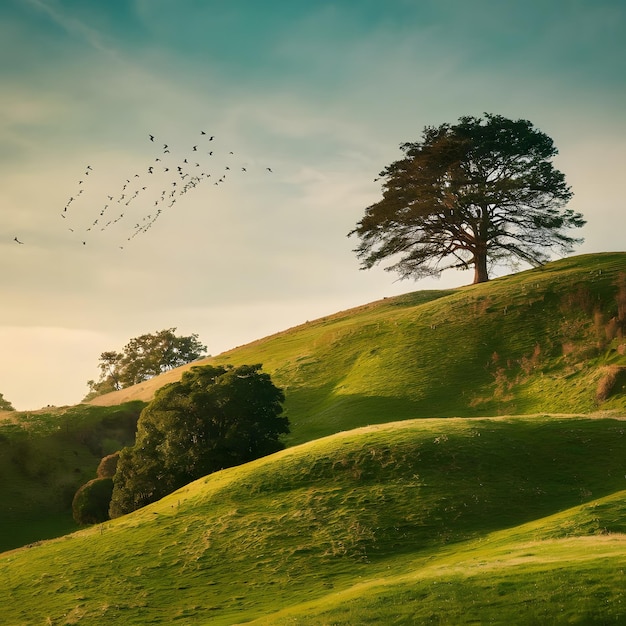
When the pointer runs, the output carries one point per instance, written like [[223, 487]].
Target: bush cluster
[[91, 502]]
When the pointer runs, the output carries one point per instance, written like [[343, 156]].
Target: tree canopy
[[474, 194], [214, 417], [144, 357]]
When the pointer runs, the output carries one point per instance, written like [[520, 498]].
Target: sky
[[306, 101]]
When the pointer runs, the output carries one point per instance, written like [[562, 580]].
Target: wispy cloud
[[73, 26], [323, 94]]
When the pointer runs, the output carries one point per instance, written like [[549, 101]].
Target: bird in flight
[[18, 241], [151, 137]]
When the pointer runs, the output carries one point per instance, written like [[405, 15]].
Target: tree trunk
[[480, 266]]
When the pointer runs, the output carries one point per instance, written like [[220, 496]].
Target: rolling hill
[[451, 521], [548, 340], [446, 445], [45, 456]]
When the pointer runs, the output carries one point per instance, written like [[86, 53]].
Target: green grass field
[[484, 483], [544, 340], [45, 456], [423, 521], [540, 341]]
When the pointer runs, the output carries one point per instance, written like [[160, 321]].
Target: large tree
[[214, 417], [477, 193], [144, 357]]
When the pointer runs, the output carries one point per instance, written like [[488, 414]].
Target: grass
[[401, 521], [568, 568], [572, 581], [394, 523], [535, 342], [45, 456]]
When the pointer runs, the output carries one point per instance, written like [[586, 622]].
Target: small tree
[[215, 417], [479, 192], [142, 358], [5, 405], [91, 502]]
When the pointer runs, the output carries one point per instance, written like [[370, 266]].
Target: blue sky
[[323, 93]]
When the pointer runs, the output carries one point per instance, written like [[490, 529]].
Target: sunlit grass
[[360, 526], [530, 342], [445, 521]]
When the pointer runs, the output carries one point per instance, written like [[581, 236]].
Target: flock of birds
[[144, 195]]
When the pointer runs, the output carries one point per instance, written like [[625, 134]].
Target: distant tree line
[[144, 357]]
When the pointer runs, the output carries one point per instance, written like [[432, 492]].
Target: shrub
[[91, 502]]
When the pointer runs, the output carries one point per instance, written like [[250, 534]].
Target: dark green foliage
[[5, 405], [45, 457], [215, 417], [479, 192], [91, 502], [144, 357]]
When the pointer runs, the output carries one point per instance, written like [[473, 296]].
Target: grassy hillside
[[545, 340], [45, 456], [446, 521]]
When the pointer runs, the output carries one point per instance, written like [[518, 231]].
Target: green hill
[[45, 456], [449, 521], [397, 523], [548, 340]]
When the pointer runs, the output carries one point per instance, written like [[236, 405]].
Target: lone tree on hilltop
[[215, 417], [473, 194]]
